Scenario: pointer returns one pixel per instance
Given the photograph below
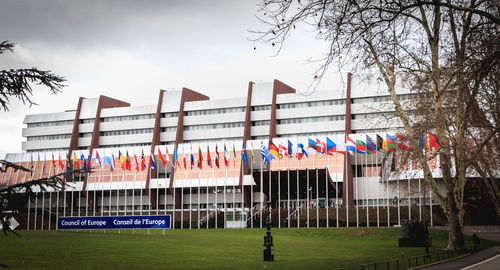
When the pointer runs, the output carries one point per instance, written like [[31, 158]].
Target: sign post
[[114, 222]]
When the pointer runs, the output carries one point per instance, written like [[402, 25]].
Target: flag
[[191, 156], [331, 147], [266, 156], [290, 149], [176, 157], [167, 155], [283, 150], [422, 142], [350, 145], [83, 162], [244, 155], [320, 146], [312, 146], [340, 148], [121, 160], [152, 161], [108, 160], [113, 156], [89, 162], [200, 158], [209, 159], [217, 156], [53, 165], [226, 156], [360, 147], [391, 143], [253, 157], [98, 158], [371, 147], [161, 158], [381, 145], [61, 164], [68, 164], [273, 150], [402, 142], [184, 160], [136, 163], [128, 163], [234, 156], [301, 152], [433, 141], [143, 161], [76, 163]]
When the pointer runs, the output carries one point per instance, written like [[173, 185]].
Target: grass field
[[207, 249]]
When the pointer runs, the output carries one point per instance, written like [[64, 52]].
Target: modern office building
[[209, 185]]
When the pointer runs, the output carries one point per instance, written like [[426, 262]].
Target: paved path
[[470, 262], [482, 260]]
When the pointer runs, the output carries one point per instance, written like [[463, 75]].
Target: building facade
[[208, 169]]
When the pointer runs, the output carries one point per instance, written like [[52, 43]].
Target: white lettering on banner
[[70, 223], [123, 222], [153, 222], [97, 223]]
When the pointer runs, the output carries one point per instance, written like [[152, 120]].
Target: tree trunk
[[455, 235]]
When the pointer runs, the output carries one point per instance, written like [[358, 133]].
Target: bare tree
[[441, 50], [17, 83]]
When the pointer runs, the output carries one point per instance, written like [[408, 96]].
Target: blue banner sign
[[117, 222]]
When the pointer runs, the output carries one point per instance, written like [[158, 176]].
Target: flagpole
[[133, 185], [327, 202], [261, 187], [191, 165], [317, 189], [213, 174], [297, 210], [217, 159], [199, 179], [399, 199], [182, 187], [356, 201], [288, 187], [270, 189], [29, 199], [43, 193], [378, 195], [234, 186], [242, 165], [366, 189], [346, 172], [251, 189], [172, 178], [50, 193], [387, 191], [225, 186], [279, 190]]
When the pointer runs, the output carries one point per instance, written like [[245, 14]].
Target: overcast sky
[[131, 49]]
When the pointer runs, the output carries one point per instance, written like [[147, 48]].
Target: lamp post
[[268, 239]]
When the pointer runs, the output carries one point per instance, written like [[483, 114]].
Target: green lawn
[[207, 249]]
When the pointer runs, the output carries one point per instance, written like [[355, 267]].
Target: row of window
[[311, 119], [65, 149], [51, 124], [127, 132], [169, 129], [215, 111], [379, 99], [86, 134], [125, 145], [128, 117], [215, 126], [261, 123], [311, 104], [312, 134], [261, 108], [87, 121], [48, 137], [170, 115], [387, 115], [211, 190]]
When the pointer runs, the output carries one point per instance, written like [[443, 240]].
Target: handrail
[[294, 211]]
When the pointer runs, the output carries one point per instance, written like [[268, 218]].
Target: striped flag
[[350, 145], [217, 156], [209, 159], [301, 151]]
